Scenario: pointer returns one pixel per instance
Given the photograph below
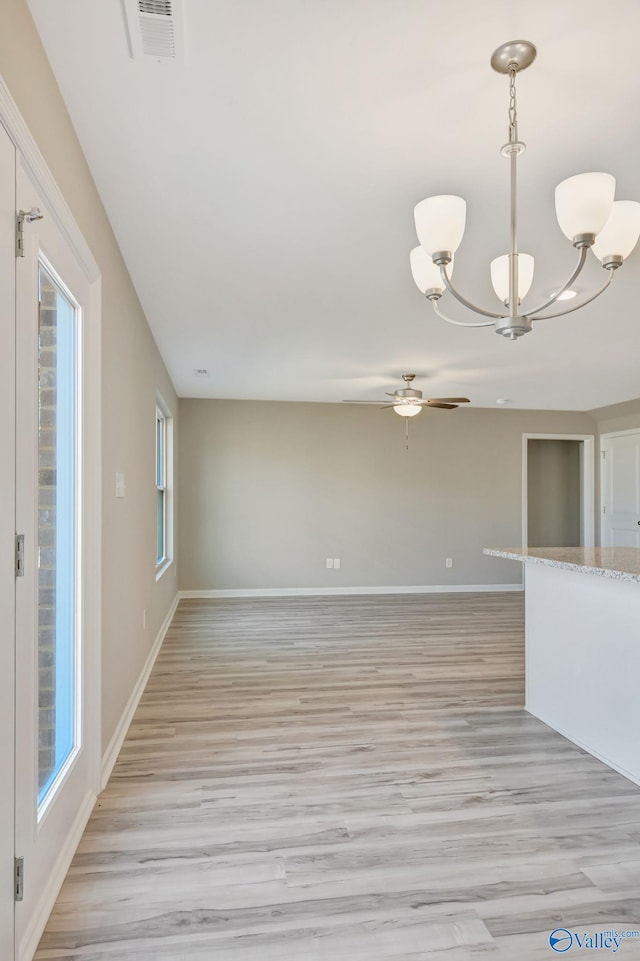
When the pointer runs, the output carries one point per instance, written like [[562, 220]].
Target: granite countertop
[[620, 563]]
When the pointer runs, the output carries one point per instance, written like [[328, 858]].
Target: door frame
[[7, 534], [29, 157], [587, 483], [603, 440]]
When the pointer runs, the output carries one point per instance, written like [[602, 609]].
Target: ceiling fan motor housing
[[408, 393]]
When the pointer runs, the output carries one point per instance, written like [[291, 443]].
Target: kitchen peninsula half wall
[[582, 636]]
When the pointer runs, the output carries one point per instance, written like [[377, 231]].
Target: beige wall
[[269, 490], [553, 493], [624, 416], [132, 371]]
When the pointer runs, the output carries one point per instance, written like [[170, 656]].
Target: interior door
[[55, 775], [621, 490], [7, 535]]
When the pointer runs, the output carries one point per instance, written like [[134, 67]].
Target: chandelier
[[587, 214]]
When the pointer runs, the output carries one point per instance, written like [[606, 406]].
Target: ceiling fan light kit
[[407, 410], [586, 211]]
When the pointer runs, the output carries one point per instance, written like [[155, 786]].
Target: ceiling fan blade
[[448, 400], [389, 394], [443, 406], [363, 402]]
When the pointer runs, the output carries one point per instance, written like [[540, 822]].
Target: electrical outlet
[[120, 484], [329, 563], [449, 562], [336, 563]]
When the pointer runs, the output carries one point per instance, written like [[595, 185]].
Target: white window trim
[[168, 559]]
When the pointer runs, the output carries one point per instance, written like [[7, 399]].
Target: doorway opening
[[557, 490]]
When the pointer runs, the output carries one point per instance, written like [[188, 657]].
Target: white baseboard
[[634, 777], [332, 591], [29, 943], [111, 754]]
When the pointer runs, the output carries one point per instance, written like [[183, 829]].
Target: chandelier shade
[[620, 234], [586, 211], [583, 203], [407, 410], [500, 276], [440, 223], [425, 273]]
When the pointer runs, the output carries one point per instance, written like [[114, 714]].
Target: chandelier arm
[[465, 302], [583, 303], [576, 273], [459, 323]]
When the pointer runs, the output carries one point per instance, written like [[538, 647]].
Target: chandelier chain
[[513, 106]]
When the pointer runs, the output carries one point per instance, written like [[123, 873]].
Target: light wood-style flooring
[[347, 779]]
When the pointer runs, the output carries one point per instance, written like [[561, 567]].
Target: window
[[57, 529], [161, 487], [164, 468]]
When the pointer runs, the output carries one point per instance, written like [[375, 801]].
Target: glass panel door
[[57, 512]]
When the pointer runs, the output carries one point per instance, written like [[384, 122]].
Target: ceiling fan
[[408, 401]]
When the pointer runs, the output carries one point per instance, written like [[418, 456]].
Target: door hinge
[[604, 453], [604, 510], [18, 878], [19, 555], [22, 217]]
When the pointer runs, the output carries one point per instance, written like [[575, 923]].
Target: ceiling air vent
[[155, 30], [161, 8]]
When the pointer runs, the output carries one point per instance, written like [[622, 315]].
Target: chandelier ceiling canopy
[[587, 214]]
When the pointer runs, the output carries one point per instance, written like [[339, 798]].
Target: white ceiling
[[263, 193]]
